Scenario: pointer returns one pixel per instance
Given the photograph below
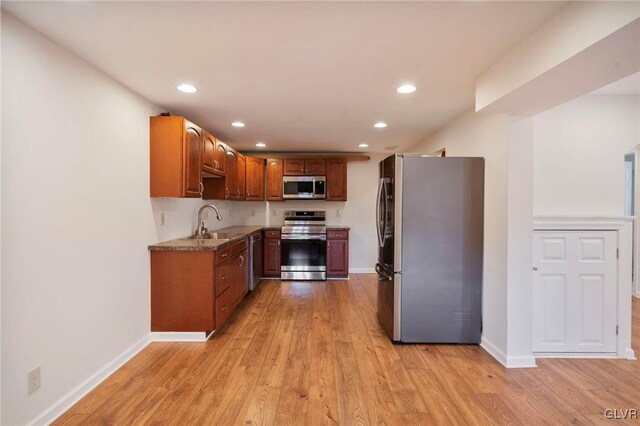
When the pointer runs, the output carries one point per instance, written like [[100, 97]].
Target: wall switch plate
[[33, 380], [339, 213], [161, 218]]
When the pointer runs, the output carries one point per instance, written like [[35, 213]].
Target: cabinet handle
[[238, 192], [201, 187], [241, 260], [225, 307], [227, 192], [278, 243], [224, 277], [223, 255], [328, 243], [215, 164]]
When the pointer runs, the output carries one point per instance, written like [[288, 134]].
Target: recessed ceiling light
[[406, 88], [261, 145], [380, 125], [237, 124], [363, 145], [186, 88]]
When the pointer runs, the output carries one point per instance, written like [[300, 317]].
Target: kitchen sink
[[215, 236]]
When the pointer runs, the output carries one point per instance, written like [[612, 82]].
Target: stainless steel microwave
[[303, 187]]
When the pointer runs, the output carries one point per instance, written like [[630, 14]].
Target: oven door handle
[[303, 237], [382, 276]]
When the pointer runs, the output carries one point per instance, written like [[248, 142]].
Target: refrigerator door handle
[[386, 212], [378, 206], [381, 275]]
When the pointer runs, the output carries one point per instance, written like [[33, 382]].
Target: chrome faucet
[[201, 229]]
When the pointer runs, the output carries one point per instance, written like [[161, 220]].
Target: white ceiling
[[302, 76], [626, 86]]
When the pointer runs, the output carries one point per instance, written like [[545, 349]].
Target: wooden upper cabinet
[[254, 179], [241, 168], [175, 157], [336, 179], [274, 180], [208, 153], [220, 157], [231, 175], [315, 167], [293, 167], [302, 167]]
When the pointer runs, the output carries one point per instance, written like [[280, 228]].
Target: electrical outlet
[[253, 212], [33, 380], [161, 218], [338, 213]]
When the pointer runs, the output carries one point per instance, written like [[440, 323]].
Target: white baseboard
[[70, 399], [630, 354], [179, 336], [492, 350], [521, 362], [507, 362], [362, 270]]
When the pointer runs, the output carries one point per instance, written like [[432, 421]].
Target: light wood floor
[[313, 353]]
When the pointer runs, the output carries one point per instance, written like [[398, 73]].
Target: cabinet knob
[[224, 277]]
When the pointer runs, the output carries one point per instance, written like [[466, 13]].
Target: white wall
[[358, 212], [485, 135], [76, 220], [579, 150]]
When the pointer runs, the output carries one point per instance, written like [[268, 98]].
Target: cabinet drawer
[[337, 234], [224, 304], [223, 277], [272, 234], [228, 252]]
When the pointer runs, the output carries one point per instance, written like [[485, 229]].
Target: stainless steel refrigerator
[[430, 220]]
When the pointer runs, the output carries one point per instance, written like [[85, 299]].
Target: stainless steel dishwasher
[[255, 259]]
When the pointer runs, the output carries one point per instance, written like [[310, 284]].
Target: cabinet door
[[336, 180], [293, 167], [231, 176], [208, 153], [314, 167], [271, 258], [191, 159], [574, 291], [337, 258], [255, 179], [242, 276], [220, 157], [274, 180], [241, 168]]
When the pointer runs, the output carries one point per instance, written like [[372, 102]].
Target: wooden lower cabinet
[[337, 253], [197, 290], [271, 254]]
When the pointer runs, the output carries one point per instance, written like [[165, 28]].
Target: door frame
[[636, 227], [624, 228]]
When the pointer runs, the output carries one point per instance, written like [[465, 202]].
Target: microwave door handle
[[380, 239]]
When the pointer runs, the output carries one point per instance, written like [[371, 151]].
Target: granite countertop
[[196, 244]]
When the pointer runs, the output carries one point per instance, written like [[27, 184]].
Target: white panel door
[[574, 291]]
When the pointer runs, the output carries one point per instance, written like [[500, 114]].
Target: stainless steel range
[[304, 246]]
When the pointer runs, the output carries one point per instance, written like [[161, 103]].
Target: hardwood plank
[[313, 353]]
